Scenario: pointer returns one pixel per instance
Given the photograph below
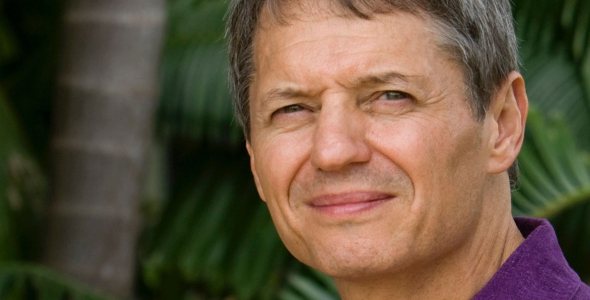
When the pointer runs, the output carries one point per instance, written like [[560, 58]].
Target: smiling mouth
[[348, 204]]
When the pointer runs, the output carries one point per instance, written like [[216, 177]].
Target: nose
[[339, 138]]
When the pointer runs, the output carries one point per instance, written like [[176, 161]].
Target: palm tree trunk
[[106, 96]]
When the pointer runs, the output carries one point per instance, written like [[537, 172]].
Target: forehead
[[317, 39], [279, 15]]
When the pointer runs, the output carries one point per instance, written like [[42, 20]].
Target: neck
[[458, 275]]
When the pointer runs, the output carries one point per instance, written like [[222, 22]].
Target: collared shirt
[[536, 269]]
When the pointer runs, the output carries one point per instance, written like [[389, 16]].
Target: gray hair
[[478, 34]]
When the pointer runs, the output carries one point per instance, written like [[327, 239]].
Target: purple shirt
[[536, 269]]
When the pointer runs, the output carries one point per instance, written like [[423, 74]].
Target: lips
[[347, 204]]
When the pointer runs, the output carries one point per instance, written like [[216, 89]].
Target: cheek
[[278, 159], [441, 162], [437, 155], [416, 145]]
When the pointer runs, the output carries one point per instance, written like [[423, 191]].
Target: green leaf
[[309, 288], [46, 283], [215, 231], [555, 48], [195, 101], [48, 290], [8, 46], [12, 144], [550, 182]]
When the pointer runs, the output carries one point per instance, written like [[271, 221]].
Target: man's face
[[363, 144]]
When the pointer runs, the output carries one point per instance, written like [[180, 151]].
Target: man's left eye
[[393, 95]]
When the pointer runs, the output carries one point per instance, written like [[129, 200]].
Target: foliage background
[[206, 233]]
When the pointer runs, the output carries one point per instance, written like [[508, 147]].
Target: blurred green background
[[192, 223]]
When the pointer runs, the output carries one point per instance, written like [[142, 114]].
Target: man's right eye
[[291, 109], [290, 116]]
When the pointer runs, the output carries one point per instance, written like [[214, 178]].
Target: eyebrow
[[282, 93], [372, 79], [285, 93], [382, 78]]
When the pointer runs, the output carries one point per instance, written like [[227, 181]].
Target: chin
[[357, 270], [357, 259]]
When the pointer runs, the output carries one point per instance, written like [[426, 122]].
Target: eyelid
[[282, 109], [298, 107], [379, 95], [402, 94]]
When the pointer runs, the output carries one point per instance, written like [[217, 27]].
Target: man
[[382, 136]]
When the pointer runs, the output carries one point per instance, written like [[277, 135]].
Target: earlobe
[[253, 168], [509, 110]]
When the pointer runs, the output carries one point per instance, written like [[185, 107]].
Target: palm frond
[[31, 35], [309, 285], [23, 188], [546, 23], [554, 174], [19, 281], [556, 56], [8, 46], [554, 86], [217, 233], [195, 22], [10, 143], [195, 101]]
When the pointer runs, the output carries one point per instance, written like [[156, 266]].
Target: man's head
[[477, 34], [380, 132]]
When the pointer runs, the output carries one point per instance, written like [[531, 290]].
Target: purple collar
[[536, 269]]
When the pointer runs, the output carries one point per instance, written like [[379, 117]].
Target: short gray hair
[[478, 34]]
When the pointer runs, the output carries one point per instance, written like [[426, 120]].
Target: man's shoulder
[[536, 270]]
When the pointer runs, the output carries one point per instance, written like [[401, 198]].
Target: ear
[[508, 112], [253, 168]]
